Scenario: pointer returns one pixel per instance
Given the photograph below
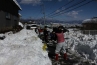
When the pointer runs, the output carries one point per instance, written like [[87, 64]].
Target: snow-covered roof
[[94, 20], [17, 4], [86, 20]]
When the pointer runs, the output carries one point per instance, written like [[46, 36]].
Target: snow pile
[[25, 48], [85, 45], [22, 48], [21, 24]]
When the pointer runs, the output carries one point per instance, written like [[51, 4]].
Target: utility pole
[[43, 11]]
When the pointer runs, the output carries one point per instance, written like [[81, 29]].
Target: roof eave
[[16, 3]]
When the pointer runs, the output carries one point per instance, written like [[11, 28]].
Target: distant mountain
[[49, 21], [57, 21], [74, 21]]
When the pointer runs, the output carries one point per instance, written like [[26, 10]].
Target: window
[[8, 16]]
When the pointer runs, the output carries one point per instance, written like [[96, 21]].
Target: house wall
[[90, 26], [5, 24], [2, 19], [10, 7]]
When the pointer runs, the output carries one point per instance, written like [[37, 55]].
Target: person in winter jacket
[[60, 43], [45, 33], [53, 36], [40, 31]]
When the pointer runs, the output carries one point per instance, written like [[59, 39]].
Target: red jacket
[[60, 37]]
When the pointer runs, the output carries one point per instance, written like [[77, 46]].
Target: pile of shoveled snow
[[22, 48], [85, 45]]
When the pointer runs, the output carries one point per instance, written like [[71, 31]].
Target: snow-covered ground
[[85, 45], [25, 48], [22, 48]]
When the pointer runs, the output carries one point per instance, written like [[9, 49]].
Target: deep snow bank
[[85, 45], [23, 48]]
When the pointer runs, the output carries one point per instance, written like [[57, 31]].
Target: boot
[[65, 56], [56, 57]]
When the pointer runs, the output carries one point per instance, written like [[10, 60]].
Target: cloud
[[57, 11], [63, 8], [34, 2], [73, 14]]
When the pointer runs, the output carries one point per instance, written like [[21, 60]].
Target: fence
[[89, 32]]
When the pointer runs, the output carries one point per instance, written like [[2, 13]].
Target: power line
[[72, 9], [61, 7], [52, 5], [43, 12], [69, 7], [38, 14]]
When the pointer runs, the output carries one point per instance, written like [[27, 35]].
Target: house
[[9, 14], [90, 24]]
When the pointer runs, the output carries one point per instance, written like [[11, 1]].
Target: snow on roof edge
[[90, 20], [17, 4], [86, 20]]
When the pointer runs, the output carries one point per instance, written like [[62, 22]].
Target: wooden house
[[90, 24], [9, 14]]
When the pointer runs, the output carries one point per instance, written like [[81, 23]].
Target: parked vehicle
[[31, 26]]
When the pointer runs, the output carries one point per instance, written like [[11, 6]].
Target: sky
[[26, 48], [71, 11]]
